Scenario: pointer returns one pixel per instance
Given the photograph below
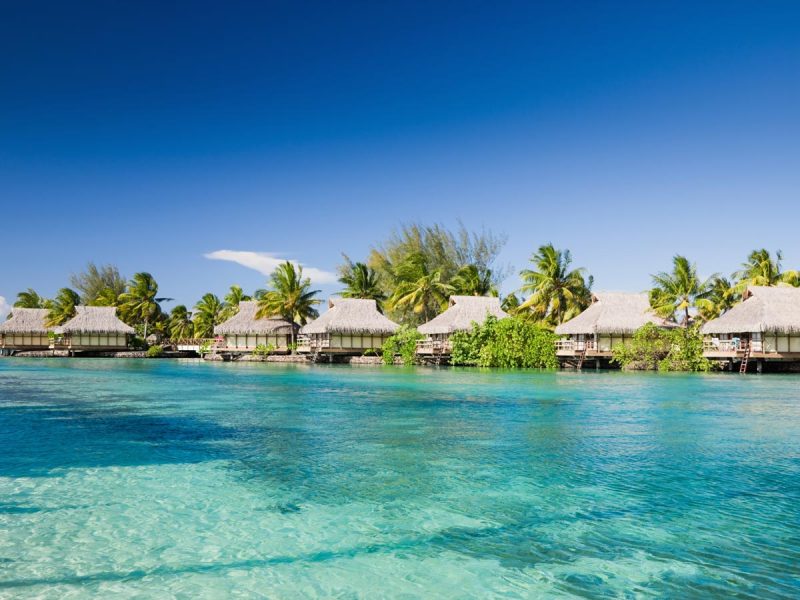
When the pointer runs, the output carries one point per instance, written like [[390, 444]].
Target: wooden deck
[[434, 348], [575, 349], [728, 349]]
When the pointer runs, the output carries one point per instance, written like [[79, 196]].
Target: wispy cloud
[[265, 263], [5, 308]]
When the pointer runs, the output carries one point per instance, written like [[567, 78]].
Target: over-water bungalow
[[611, 320], [93, 329], [461, 314], [243, 332], [765, 326], [24, 330], [349, 326]]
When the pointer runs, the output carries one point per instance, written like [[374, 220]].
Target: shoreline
[[368, 361]]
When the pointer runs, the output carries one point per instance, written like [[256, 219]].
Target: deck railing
[[715, 345], [433, 347], [306, 343], [575, 345], [193, 341]]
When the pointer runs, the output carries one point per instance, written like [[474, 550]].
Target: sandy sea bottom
[[192, 480]]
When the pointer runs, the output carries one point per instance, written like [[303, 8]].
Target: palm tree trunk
[[686, 317]]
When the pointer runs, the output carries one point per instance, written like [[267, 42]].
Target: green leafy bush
[[264, 350], [654, 348], [686, 353], [510, 343], [402, 343], [205, 348], [155, 352]]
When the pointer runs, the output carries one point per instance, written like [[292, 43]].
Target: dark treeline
[[411, 276]]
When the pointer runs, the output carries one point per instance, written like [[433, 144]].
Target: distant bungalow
[[610, 321], [460, 315], [765, 326], [25, 330], [93, 328], [349, 326], [243, 332]]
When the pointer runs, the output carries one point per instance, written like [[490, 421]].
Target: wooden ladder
[[745, 360], [582, 357]]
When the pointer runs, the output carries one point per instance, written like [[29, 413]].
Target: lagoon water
[[195, 480]]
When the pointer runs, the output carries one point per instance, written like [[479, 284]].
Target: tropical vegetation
[[411, 276], [762, 269], [676, 292], [231, 302], [98, 285], [420, 289], [419, 266], [180, 325], [290, 296], [140, 305], [62, 307], [557, 292], [30, 299], [403, 344], [720, 297], [511, 343], [207, 312], [683, 296], [361, 281], [656, 348]]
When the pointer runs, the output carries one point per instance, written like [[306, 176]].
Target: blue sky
[[151, 135]]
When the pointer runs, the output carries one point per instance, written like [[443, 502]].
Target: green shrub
[[654, 348], [263, 350], [402, 343], [155, 352], [205, 348], [509, 343], [686, 353]]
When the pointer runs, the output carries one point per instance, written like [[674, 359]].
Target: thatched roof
[[462, 313], [350, 315], [95, 319], [613, 312], [245, 322], [26, 320], [773, 309]]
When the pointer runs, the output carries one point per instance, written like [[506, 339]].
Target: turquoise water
[[195, 480]]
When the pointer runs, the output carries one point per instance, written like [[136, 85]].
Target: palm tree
[[721, 298], [106, 297], [139, 304], [180, 323], [423, 291], [762, 269], [30, 299], [557, 293], [679, 290], [472, 281], [208, 312], [510, 303], [362, 282], [62, 307], [289, 296], [232, 299]]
